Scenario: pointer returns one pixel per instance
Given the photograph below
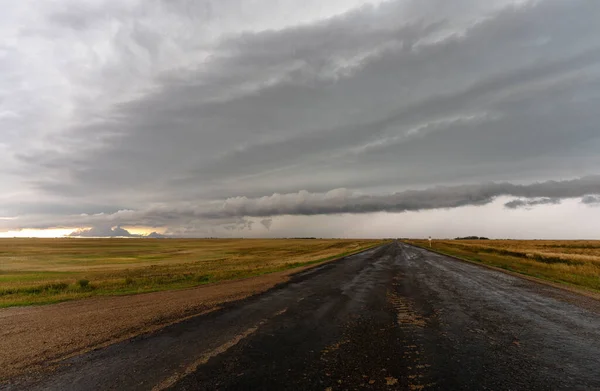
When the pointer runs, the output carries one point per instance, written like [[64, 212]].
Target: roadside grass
[[575, 263], [42, 271]]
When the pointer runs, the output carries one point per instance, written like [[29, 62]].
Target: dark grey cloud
[[267, 223], [521, 203], [591, 200], [230, 122], [240, 225], [342, 201], [236, 214], [106, 231], [103, 231], [151, 113]]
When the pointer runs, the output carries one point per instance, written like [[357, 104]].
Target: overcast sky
[[338, 118]]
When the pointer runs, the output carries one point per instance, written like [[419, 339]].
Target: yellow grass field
[[574, 263], [37, 271]]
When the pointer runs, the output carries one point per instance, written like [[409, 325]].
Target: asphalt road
[[395, 317]]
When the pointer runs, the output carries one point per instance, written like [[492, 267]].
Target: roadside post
[[430, 242]]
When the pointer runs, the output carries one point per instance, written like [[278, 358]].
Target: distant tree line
[[473, 238]]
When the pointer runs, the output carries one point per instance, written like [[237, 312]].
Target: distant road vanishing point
[[393, 317]]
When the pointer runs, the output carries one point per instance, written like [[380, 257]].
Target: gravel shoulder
[[36, 337]]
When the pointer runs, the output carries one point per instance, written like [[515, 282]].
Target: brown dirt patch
[[34, 338]]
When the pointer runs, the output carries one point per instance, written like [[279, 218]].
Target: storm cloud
[[343, 201], [187, 117], [235, 214], [103, 231], [591, 200], [524, 203]]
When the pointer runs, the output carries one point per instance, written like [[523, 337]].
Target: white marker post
[[430, 242]]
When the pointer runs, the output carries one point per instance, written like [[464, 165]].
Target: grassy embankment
[[575, 263], [40, 271]]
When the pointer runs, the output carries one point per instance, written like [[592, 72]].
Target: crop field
[[574, 263], [36, 271]]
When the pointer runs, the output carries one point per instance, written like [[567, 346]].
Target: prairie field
[[572, 262], [37, 271]]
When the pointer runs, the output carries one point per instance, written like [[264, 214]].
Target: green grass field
[[575, 263], [40, 271]]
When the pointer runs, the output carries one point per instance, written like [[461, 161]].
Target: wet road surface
[[394, 317]]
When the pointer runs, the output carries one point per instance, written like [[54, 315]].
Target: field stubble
[[39, 271]]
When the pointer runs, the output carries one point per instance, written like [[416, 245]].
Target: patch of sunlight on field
[[49, 270], [573, 262]]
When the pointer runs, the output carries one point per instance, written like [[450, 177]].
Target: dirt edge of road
[[38, 338], [569, 288]]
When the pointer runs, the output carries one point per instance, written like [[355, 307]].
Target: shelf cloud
[[343, 201], [208, 118]]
